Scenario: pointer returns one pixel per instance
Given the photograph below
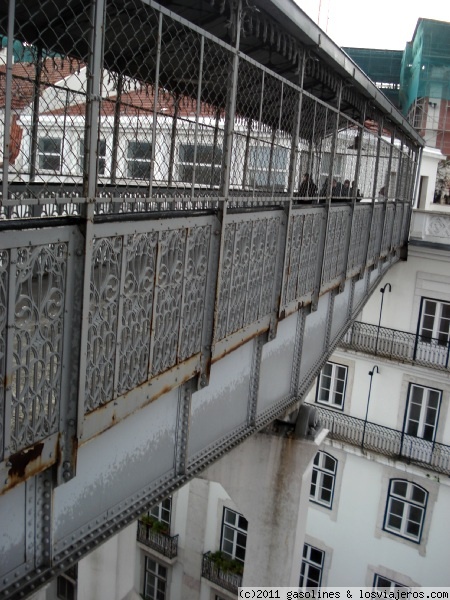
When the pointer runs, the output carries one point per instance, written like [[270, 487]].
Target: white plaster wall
[[268, 479], [356, 536], [425, 273]]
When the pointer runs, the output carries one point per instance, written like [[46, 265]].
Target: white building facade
[[381, 491]]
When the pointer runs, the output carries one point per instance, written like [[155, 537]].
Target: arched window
[[405, 510], [322, 479]]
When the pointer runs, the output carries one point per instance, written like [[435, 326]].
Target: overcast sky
[[385, 24]]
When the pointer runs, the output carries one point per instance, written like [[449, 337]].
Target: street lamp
[[382, 290], [371, 373]]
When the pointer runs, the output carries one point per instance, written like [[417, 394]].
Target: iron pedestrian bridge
[[170, 283]]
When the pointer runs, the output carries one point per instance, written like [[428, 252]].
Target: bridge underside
[[168, 283]]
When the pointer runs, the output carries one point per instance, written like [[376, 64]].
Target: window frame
[[134, 161], [332, 392], [408, 503], [215, 169], [69, 578], [162, 511], [157, 578], [308, 564], [392, 584], [424, 409], [237, 533], [42, 154], [275, 175], [437, 318], [320, 472]]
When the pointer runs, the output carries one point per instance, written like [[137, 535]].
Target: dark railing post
[[371, 373]]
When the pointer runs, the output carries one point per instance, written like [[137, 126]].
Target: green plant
[[226, 564], [155, 525]]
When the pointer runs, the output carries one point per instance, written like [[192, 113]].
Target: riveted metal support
[[183, 421], [44, 497], [255, 378], [298, 350], [66, 467], [331, 298]]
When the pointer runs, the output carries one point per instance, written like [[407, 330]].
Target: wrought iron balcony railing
[[161, 542], [398, 345], [384, 440], [226, 579]]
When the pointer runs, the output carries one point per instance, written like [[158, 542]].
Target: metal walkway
[[170, 282]]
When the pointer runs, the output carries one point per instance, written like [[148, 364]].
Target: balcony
[[163, 543], [385, 440], [214, 571], [398, 345]]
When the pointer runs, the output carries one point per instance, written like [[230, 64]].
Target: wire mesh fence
[[136, 106]]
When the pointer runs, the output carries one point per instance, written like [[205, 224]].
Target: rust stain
[[240, 342], [26, 464], [21, 460]]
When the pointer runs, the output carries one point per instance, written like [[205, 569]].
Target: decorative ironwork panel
[[334, 256], [255, 271], [375, 233], [4, 281], [195, 276], [301, 267], [359, 237], [138, 292], [225, 282], [239, 275], [249, 261], [168, 300], [270, 263], [388, 227], [38, 343], [103, 314]]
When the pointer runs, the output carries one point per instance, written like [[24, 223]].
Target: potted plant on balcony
[[155, 525], [226, 564]]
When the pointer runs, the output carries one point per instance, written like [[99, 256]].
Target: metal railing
[[398, 345], [163, 543], [384, 440], [229, 581]]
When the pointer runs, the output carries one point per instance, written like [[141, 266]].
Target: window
[[322, 480], [435, 321], [312, 567], [332, 383], [208, 164], [101, 156], [405, 511], [49, 153], [66, 584], [162, 511], [383, 582], [234, 535], [422, 412], [268, 166], [155, 580], [139, 159]]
